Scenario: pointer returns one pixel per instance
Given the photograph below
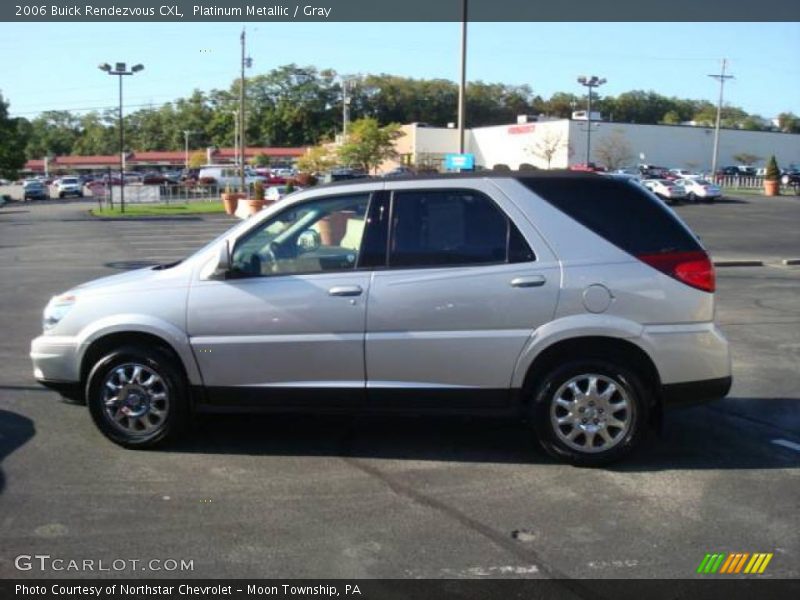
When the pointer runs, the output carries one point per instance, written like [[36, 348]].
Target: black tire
[[172, 381], [61, 195], [543, 396], [692, 198]]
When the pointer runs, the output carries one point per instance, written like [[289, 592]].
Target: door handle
[[345, 290], [526, 282]]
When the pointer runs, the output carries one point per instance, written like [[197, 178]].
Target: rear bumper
[[695, 392]]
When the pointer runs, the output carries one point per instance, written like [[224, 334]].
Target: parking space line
[[786, 444]]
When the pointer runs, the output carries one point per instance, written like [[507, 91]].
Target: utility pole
[[235, 114], [345, 110], [721, 78], [462, 87], [241, 118]]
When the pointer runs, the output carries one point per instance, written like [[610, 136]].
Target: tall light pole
[[186, 135], [120, 69], [462, 85], [246, 62], [591, 83], [721, 78]]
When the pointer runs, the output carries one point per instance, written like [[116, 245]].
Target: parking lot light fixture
[[120, 69], [591, 83]]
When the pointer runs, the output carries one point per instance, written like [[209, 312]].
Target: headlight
[[56, 310]]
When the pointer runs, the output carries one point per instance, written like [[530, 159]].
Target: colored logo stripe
[[735, 562]]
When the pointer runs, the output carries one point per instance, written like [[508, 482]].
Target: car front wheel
[[591, 412], [137, 396]]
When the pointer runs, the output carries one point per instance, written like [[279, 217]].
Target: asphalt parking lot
[[408, 498]]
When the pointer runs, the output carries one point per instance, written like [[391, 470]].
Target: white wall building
[[564, 140]]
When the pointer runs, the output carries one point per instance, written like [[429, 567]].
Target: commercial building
[[559, 143], [145, 161]]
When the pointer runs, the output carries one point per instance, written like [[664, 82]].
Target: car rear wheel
[[590, 412], [137, 396]]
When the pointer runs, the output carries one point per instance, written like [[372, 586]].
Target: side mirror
[[223, 268]]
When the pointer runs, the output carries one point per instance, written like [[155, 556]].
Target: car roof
[[560, 174]]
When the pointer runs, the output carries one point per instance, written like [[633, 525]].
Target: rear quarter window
[[621, 212]]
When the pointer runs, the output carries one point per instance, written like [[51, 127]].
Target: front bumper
[[55, 359]]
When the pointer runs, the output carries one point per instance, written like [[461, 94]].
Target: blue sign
[[459, 162]]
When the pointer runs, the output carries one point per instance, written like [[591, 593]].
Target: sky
[[52, 66]]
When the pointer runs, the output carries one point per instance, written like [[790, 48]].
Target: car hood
[[138, 280]]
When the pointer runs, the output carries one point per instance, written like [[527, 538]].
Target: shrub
[[773, 173], [258, 190]]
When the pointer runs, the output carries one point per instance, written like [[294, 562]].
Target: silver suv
[[576, 301]]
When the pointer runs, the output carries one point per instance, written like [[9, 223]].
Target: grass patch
[[160, 210]]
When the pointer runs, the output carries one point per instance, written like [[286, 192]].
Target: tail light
[[692, 268]]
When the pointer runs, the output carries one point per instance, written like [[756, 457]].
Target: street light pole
[[591, 83], [721, 78], [120, 69]]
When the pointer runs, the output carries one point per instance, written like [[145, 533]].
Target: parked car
[[225, 175], [791, 179], [683, 174], [154, 178], [700, 189], [277, 192], [68, 186], [665, 189], [583, 324], [590, 167], [33, 189]]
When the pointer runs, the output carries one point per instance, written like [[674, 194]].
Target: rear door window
[[432, 228]]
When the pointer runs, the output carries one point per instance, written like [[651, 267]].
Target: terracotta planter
[[772, 188], [332, 229], [230, 200], [253, 205]]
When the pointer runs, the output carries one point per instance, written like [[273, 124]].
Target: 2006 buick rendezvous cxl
[[577, 301]]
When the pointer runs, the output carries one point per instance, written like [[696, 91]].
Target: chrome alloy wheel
[[591, 413], [135, 399]]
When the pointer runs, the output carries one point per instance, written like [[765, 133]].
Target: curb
[[791, 261], [740, 263]]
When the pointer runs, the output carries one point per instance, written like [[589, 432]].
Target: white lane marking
[[493, 571], [787, 444]]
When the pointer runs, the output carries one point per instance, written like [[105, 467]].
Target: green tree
[[368, 144], [53, 132], [789, 122], [12, 147], [316, 160], [98, 135], [671, 117], [260, 161]]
